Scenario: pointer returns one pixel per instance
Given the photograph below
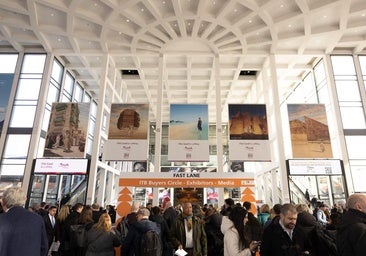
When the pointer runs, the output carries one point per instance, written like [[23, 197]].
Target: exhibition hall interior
[[134, 101]]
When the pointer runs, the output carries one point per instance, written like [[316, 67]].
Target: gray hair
[[13, 197]]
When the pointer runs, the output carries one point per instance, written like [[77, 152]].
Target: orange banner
[[197, 183]]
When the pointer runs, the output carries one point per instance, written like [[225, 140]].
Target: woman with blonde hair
[[101, 238], [61, 228]]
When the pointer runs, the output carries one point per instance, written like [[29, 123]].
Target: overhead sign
[[185, 179], [61, 166], [314, 167]]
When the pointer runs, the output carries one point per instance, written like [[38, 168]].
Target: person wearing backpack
[[143, 238], [188, 233], [351, 232]]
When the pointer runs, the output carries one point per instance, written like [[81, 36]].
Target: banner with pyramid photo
[[248, 131], [309, 131]]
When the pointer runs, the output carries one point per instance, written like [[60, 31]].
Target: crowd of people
[[233, 230]]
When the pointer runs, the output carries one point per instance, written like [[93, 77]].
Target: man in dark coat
[[351, 234], [283, 238], [50, 224], [21, 232], [132, 243]]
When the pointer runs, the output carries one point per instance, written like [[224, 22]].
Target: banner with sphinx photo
[[248, 132], [128, 133]]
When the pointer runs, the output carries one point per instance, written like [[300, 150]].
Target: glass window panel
[[28, 89], [17, 146], [14, 161], [69, 84], [46, 119], [355, 147], [87, 97], [22, 116], [89, 148], [93, 110], [343, 65], [57, 70], [53, 94], [348, 91], [78, 95], [350, 104], [323, 95], [41, 145], [8, 63], [66, 98], [319, 73], [353, 118], [359, 177], [33, 63], [363, 64], [12, 170]]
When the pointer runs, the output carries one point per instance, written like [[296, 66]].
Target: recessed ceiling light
[[250, 21], [128, 20], [235, 10], [189, 23], [363, 14], [95, 4], [175, 24], [163, 2], [52, 14], [281, 5], [59, 39], [142, 9], [324, 16], [120, 33], [213, 2], [289, 25]]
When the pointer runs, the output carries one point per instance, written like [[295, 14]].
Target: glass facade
[[62, 86]]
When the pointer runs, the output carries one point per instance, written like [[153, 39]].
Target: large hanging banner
[[6, 81], [188, 133], [128, 133], [248, 133], [67, 130], [309, 131]]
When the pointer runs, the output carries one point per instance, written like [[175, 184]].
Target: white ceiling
[[187, 34]]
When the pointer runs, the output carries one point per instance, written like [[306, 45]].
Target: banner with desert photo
[[67, 130], [188, 133], [309, 131], [128, 133], [248, 131]]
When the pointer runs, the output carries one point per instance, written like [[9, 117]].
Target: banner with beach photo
[[309, 131], [128, 133], [248, 132], [188, 133]]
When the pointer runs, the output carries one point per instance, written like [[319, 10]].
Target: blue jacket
[[22, 233]]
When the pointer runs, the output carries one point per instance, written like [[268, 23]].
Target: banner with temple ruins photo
[[248, 133], [67, 130], [309, 131]]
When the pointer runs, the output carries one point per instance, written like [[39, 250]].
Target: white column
[[102, 187], [278, 127], [219, 149], [158, 125], [97, 133]]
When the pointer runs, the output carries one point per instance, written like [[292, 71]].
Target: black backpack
[[123, 229], [323, 241], [151, 244]]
